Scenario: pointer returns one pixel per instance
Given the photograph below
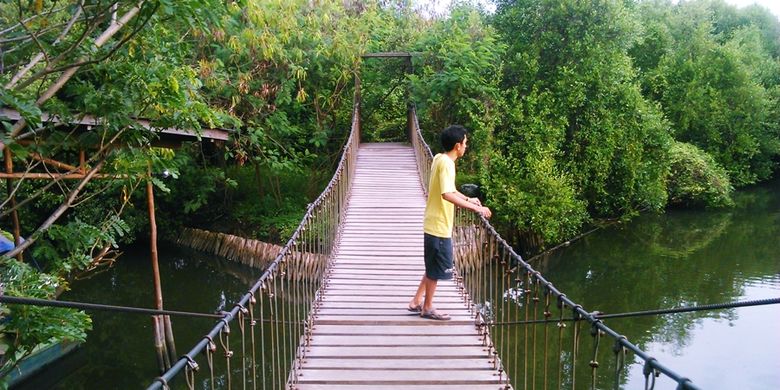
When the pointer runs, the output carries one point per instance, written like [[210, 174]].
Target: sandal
[[415, 309], [434, 315]]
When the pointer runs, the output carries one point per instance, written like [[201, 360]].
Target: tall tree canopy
[[579, 138], [714, 70]]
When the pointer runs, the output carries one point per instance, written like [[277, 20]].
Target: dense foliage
[[695, 179], [578, 111], [715, 75], [578, 123], [279, 73], [456, 79]]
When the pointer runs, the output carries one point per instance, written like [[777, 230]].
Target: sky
[[772, 5]]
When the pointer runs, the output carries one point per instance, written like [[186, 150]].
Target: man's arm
[[463, 201], [472, 200]]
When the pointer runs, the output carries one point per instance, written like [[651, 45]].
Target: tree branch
[[59, 211], [94, 61], [40, 55], [100, 41], [23, 22], [98, 18]]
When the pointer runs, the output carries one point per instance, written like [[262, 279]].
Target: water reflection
[[685, 258], [119, 352]]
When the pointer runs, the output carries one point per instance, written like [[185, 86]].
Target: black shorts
[[438, 257]]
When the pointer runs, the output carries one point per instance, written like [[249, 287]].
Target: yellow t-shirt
[[439, 213]]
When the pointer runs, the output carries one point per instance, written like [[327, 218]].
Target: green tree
[[711, 70], [72, 59], [578, 115], [456, 79], [695, 179]]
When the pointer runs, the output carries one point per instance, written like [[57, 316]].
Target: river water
[[686, 257], [654, 261], [119, 352]]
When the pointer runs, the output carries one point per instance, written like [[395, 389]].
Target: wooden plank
[[369, 313], [409, 376], [400, 364], [445, 303], [396, 242], [368, 290], [400, 300], [352, 272], [346, 266], [374, 386], [399, 320], [374, 282], [399, 304], [411, 352], [387, 258], [382, 247], [397, 340], [418, 329]]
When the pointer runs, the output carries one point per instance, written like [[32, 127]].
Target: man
[[439, 219]]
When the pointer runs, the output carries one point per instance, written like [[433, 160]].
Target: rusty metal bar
[[88, 120]]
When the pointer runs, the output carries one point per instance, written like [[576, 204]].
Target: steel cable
[[7, 299], [685, 309]]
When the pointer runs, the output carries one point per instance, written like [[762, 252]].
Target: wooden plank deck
[[363, 336]]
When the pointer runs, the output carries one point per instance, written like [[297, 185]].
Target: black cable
[[714, 306], [94, 306], [599, 316], [125, 309]]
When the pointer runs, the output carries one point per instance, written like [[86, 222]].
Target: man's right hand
[[484, 211]]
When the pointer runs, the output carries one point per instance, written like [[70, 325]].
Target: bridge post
[[409, 121]]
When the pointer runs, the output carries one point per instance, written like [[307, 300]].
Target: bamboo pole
[[163, 359], [9, 167], [153, 242], [60, 210], [170, 344], [53, 162], [57, 176]]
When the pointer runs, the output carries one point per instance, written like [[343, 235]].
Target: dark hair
[[452, 135]]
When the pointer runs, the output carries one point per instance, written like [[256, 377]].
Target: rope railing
[[533, 331], [274, 317]]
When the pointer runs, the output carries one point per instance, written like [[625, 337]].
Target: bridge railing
[[273, 318], [531, 329]]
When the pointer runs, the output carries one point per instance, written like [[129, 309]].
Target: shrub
[[695, 179]]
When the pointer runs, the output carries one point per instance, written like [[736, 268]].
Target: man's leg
[[417, 300], [430, 290], [429, 249]]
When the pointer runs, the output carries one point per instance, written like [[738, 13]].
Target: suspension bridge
[[330, 312], [363, 335]]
